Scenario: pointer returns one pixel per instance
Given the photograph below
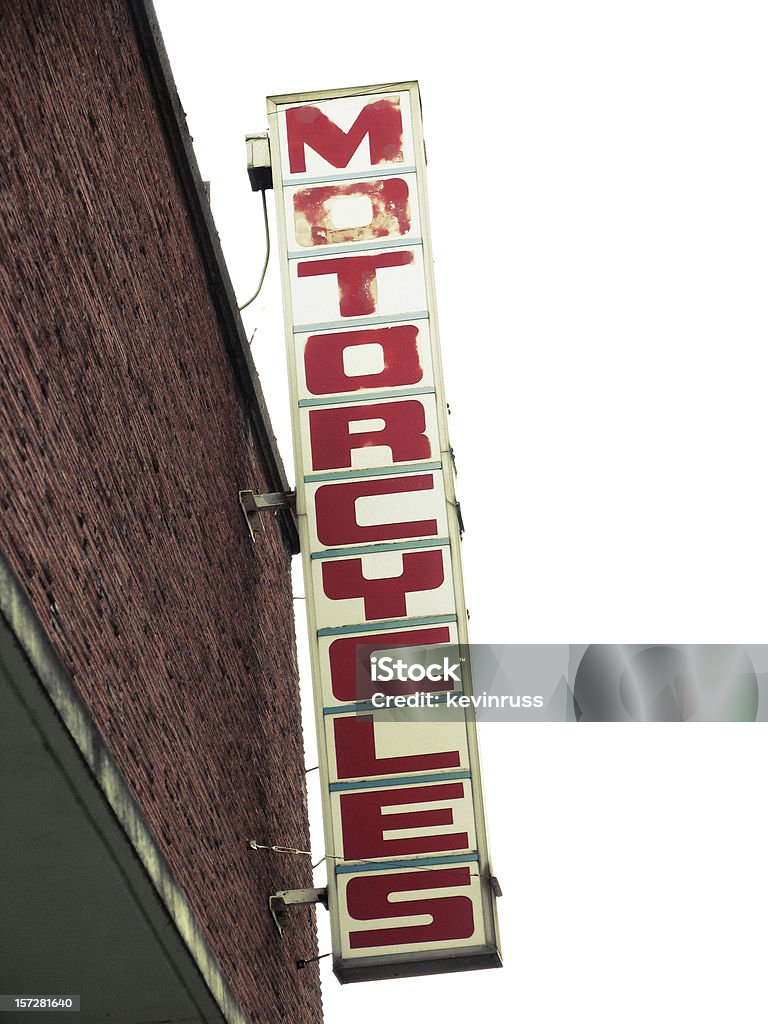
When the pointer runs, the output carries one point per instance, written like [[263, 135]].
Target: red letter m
[[380, 121]]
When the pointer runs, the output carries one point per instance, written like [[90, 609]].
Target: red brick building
[[150, 694]]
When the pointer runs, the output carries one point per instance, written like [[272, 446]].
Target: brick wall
[[123, 443]]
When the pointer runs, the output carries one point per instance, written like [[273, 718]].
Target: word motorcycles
[[410, 888]]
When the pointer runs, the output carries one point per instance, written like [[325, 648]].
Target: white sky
[[597, 177]]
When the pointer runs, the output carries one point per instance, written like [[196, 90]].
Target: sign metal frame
[[427, 960]]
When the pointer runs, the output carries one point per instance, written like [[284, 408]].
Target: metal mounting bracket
[[254, 505], [279, 903]]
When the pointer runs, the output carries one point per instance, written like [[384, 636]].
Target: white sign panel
[[410, 886]]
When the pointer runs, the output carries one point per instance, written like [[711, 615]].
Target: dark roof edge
[[30, 635], [219, 283]]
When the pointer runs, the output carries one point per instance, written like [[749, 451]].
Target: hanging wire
[[329, 856], [278, 849], [311, 960], [266, 258]]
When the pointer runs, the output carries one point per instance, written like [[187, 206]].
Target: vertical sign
[[410, 887]]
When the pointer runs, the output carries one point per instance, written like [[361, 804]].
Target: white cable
[[266, 258]]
